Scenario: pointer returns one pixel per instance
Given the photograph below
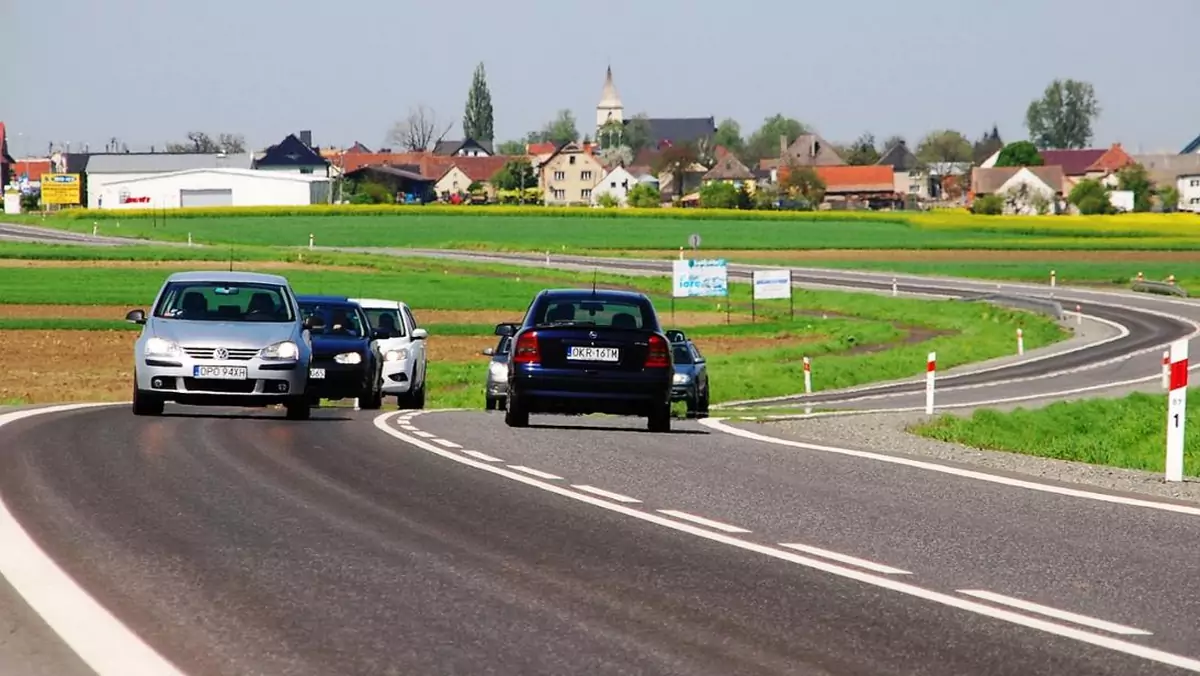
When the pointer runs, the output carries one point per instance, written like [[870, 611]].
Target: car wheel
[[298, 409], [145, 403], [515, 416], [703, 408], [419, 398], [489, 404], [373, 401], [660, 419]]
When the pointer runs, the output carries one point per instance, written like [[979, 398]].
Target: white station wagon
[[404, 359]]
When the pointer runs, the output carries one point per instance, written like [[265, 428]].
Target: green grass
[[1129, 432]]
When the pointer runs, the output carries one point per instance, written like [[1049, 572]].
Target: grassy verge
[[1127, 432]]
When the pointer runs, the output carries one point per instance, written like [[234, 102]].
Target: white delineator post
[[1053, 278], [1020, 341], [1177, 409], [311, 239], [189, 239], [895, 289], [1166, 368], [680, 253], [807, 376], [1078, 313], [547, 257], [930, 367], [95, 228]]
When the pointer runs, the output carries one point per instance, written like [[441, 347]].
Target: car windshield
[[340, 320], [621, 314], [682, 354], [386, 319], [223, 302]]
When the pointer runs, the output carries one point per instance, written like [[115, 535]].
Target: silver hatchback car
[[222, 339]]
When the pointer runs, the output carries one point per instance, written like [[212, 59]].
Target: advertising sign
[[772, 284], [700, 278], [61, 189]]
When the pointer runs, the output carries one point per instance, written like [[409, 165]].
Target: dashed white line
[[1084, 620], [534, 472], [446, 443], [483, 456], [407, 428], [424, 435], [845, 558], [605, 494], [715, 525]]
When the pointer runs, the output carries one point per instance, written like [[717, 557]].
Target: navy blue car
[[346, 363], [579, 352]]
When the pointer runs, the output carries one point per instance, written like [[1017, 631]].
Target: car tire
[[373, 401], [490, 404], [516, 416], [147, 403], [419, 398], [660, 419], [298, 409]]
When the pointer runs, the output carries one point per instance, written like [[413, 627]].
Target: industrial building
[[210, 187]]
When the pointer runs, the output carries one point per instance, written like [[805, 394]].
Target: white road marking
[[106, 645], [844, 558], [424, 435], [483, 456], [714, 423], [1055, 613], [605, 494], [535, 472], [446, 443], [407, 428], [709, 523], [1103, 641]]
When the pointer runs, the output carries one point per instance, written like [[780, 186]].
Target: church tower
[[609, 109]]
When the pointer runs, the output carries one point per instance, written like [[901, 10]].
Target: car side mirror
[[505, 330], [314, 323], [419, 334], [136, 317], [489, 352]]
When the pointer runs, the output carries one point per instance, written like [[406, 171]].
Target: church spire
[[610, 108]]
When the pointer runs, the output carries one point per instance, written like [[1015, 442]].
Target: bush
[[988, 205]]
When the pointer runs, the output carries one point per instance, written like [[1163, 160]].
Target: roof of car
[[597, 293], [227, 277], [308, 299], [378, 303]]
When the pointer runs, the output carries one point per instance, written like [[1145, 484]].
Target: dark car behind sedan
[[690, 383], [589, 351], [345, 360]]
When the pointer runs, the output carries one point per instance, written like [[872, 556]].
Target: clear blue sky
[[147, 71]]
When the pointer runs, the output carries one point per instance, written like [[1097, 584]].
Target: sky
[[149, 71]]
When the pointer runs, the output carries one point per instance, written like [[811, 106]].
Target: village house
[[569, 175], [1181, 170], [1024, 189], [729, 169], [908, 175]]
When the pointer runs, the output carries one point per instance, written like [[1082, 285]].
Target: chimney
[[783, 144], [306, 138]]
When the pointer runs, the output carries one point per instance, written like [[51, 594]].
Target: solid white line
[[1056, 613], [950, 600], [447, 444], [853, 561], [424, 435], [106, 645], [483, 456], [716, 424], [715, 525], [606, 494], [535, 472]]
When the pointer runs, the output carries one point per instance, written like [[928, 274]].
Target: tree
[[478, 120], [1063, 117], [718, 195], [637, 134], [558, 131], [677, 161], [804, 182], [862, 151], [510, 148], [1135, 179], [516, 174], [764, 143], [991, 205], [1168, 196], [987, 145], [729, 135], [943, 146], [611, 157], [611, 134], [893, 141], [1091, 197], [1020, 154], [200, 142], [643, 196], [418, 131]]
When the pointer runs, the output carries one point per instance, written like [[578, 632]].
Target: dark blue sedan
[[579, 352], [345, 359]]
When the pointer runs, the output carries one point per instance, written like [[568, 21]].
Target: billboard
[[699, 278], [61, 189], [772, 284]]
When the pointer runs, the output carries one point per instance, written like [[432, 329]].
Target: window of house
[[571, 159], [560, 194], [1196, 183], [560, 175], [612, 184], [586, 193], [585, 176]]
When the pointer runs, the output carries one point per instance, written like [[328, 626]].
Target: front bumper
[[244, 381], [683, 392], [398, 376], [340, 381], [497, 389]]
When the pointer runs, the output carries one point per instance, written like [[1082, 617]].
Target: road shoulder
[[28, 646]]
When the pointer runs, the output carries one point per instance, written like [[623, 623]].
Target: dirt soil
[[941, 255], [94, 365]]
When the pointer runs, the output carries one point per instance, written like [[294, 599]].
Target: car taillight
[[526, 350], [657, 356]]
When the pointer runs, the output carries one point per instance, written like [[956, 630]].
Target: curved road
[[448, 543]]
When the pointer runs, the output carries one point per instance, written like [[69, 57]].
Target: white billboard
[[772, 284], [699, 278]]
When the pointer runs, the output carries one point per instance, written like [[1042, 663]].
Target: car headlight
[[286, 350], [682, 378], [160, 347], [396, 355], [499, 370], [348, 358]]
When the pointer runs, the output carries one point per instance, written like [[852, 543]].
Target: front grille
[[221, 386], [235, 353]]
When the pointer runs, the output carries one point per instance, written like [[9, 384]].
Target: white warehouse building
[[209, 188]]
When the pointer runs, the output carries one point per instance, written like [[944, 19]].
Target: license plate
[[316, 374], [220, 372], [580, 353]]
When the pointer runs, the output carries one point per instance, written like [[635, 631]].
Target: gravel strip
[[887, 431]]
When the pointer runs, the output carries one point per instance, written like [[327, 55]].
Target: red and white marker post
[[1078, 313], [1166, 374], [1177, 409], [807, 375], [1053, 278], [1020, 341], [930, 367]]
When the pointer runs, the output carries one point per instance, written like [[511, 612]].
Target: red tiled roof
[[851, 178], [33, 168], [543, 148], [1073, 162], [1113, 159], [480, 168]]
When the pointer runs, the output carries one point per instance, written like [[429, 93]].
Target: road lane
[[258, 545], [1130, 565]]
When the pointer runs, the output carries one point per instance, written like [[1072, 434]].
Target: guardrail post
[[930, 367], [1141, 277], [807, 375], [1177, 409], [1171, 280], [1020, 341]]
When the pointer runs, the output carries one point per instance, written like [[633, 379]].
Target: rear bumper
[[570, 391]]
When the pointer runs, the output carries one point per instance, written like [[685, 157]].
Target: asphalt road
[[253, 545]]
